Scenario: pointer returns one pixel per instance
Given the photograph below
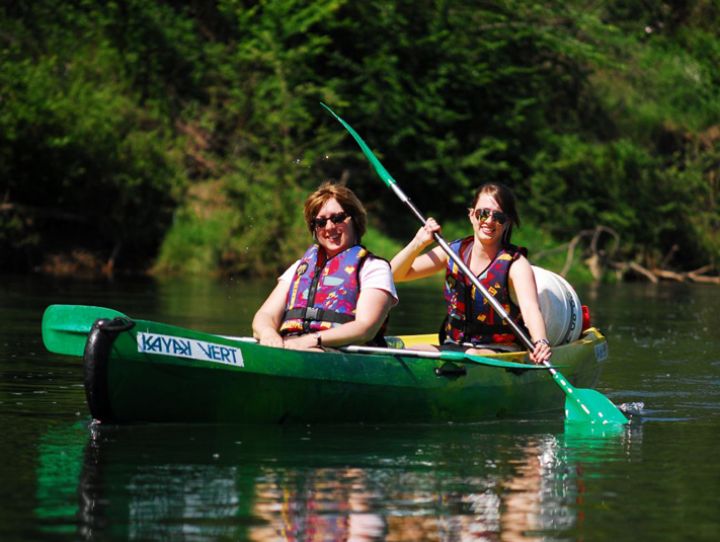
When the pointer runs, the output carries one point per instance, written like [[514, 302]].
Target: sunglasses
[[483, 214], [337, 218]]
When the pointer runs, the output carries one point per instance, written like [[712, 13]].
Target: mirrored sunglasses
[[483, 214], [336, 218]]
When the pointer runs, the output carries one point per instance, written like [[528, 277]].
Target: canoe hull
[[159, 373]]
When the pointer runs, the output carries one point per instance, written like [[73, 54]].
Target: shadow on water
[[325, 483]]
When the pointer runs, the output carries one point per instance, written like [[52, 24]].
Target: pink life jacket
[[323, 294]]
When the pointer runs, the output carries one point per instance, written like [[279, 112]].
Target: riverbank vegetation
[[182, 137]]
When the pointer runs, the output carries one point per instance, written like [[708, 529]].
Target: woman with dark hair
[[471, 323], [338, 293]]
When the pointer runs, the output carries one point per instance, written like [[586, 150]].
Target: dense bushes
[[186, 135], [85, 163]]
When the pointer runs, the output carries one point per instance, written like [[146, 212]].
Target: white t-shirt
[[374, 273]]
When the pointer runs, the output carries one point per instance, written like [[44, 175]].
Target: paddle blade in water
[[586, 405], [65, 327]]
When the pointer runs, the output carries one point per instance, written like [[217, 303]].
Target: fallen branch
[[656, 274], [597, 257], [599, 261], [624, 267], [703, 278], [694, 276]]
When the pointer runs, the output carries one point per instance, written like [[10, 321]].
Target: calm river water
[[658, 479]]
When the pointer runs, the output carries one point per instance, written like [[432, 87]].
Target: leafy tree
[[83, 164], [264, 106], [193, 130]]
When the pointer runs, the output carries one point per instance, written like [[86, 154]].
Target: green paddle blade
[[379, 168], [590, 405], [65, 327], [482, 360], [590, 435]]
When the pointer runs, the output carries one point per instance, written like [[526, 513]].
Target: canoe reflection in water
[[345, 483]]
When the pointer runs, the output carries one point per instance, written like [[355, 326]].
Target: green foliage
[[82, 162], [265, 102], [267, 229], [192, 243], [189, 135], [380, 244], [458, 95]]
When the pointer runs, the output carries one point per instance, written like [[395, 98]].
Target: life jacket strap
[[472, 327], [309, 314]]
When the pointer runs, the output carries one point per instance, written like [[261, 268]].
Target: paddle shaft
[[390, 183], [465, 269], [442, 355]]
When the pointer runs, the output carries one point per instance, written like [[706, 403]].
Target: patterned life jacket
[[324, 294], [471, 318]]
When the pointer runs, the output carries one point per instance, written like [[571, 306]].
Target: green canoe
[[143, 371]]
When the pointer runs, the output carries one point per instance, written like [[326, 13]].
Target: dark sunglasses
[[337, 218], [483, 214]]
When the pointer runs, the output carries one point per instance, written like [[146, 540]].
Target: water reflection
[[479, 482], [502, 481]]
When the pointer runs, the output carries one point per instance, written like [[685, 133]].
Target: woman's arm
[[372, 309], [522, 280], [407, 265], [268, 318]]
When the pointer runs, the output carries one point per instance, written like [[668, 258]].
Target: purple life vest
[[323, 294]]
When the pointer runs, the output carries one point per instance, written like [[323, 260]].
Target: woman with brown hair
[[471, 323], [338, 293]]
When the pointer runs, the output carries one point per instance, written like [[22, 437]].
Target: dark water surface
[[659, 479]]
